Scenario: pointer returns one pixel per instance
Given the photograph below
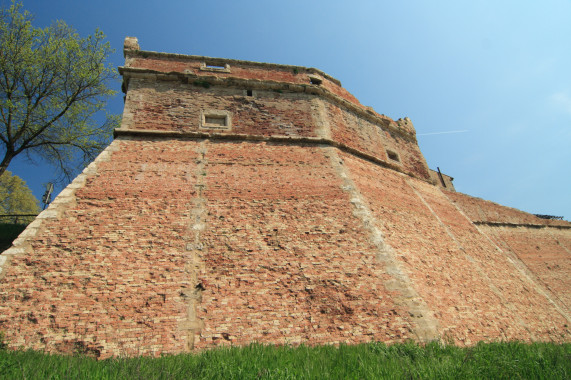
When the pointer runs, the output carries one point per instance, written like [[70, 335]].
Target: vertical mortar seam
[[425, 325], [193, 296]]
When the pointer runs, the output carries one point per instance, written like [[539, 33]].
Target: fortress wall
[[173, 244], [562, 238], [174, 106], [106, 276], [542, 245], [410, 156], [178, 244], [475, 292], [355, 132], [440, 272], [516, 290], [293, 226], [236, 70], [286, 260], [361, 134], [169, 106]]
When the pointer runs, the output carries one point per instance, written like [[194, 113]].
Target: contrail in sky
[[441, 133]]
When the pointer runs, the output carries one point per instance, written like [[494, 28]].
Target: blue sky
[[498, 70]]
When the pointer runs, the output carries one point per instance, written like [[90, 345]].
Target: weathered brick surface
[[543, 252], [287, 261], [324, 110], [474, 290], [543, 246], [170, 106], [353, 131], [167, 106], [517, 292], [294, 226], [240, 69], [107, 276], [480, 210]]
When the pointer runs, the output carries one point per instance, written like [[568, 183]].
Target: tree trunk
[[5, 162]]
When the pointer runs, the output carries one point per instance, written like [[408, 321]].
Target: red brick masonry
[[293, 225]]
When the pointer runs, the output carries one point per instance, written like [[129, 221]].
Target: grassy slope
[[369, 361]]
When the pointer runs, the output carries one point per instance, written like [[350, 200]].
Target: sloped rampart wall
[[307, 219]]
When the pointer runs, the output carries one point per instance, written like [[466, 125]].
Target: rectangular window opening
[[216, 120], [206, 66], [215, 67], [248, 92], [219, 120]]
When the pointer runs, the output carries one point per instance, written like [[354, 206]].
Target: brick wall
[[286, 260], [106, 276], [455, 268], [542, 246], [295, 226], [258, 109]]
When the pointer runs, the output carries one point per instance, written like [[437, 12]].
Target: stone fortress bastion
[[251, 202]]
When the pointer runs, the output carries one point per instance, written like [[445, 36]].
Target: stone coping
[[515, 225], [131, 53]]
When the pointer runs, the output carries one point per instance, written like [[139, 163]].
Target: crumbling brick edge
[[60, 204], [425, 326]]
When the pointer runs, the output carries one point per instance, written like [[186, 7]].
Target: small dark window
[[393, 156], [315, 80], [248, 92]]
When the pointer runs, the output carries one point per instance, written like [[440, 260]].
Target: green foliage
[[2, 340], [16, 198], [366, 361], [8, 233], [52, 84]]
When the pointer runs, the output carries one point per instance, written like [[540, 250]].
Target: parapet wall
[[290, 226]]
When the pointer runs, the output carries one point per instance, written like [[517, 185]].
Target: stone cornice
[[145, 133]]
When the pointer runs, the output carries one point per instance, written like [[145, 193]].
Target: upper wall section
[[225, 98]]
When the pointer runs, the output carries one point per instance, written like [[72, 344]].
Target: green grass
[[368, 361]]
